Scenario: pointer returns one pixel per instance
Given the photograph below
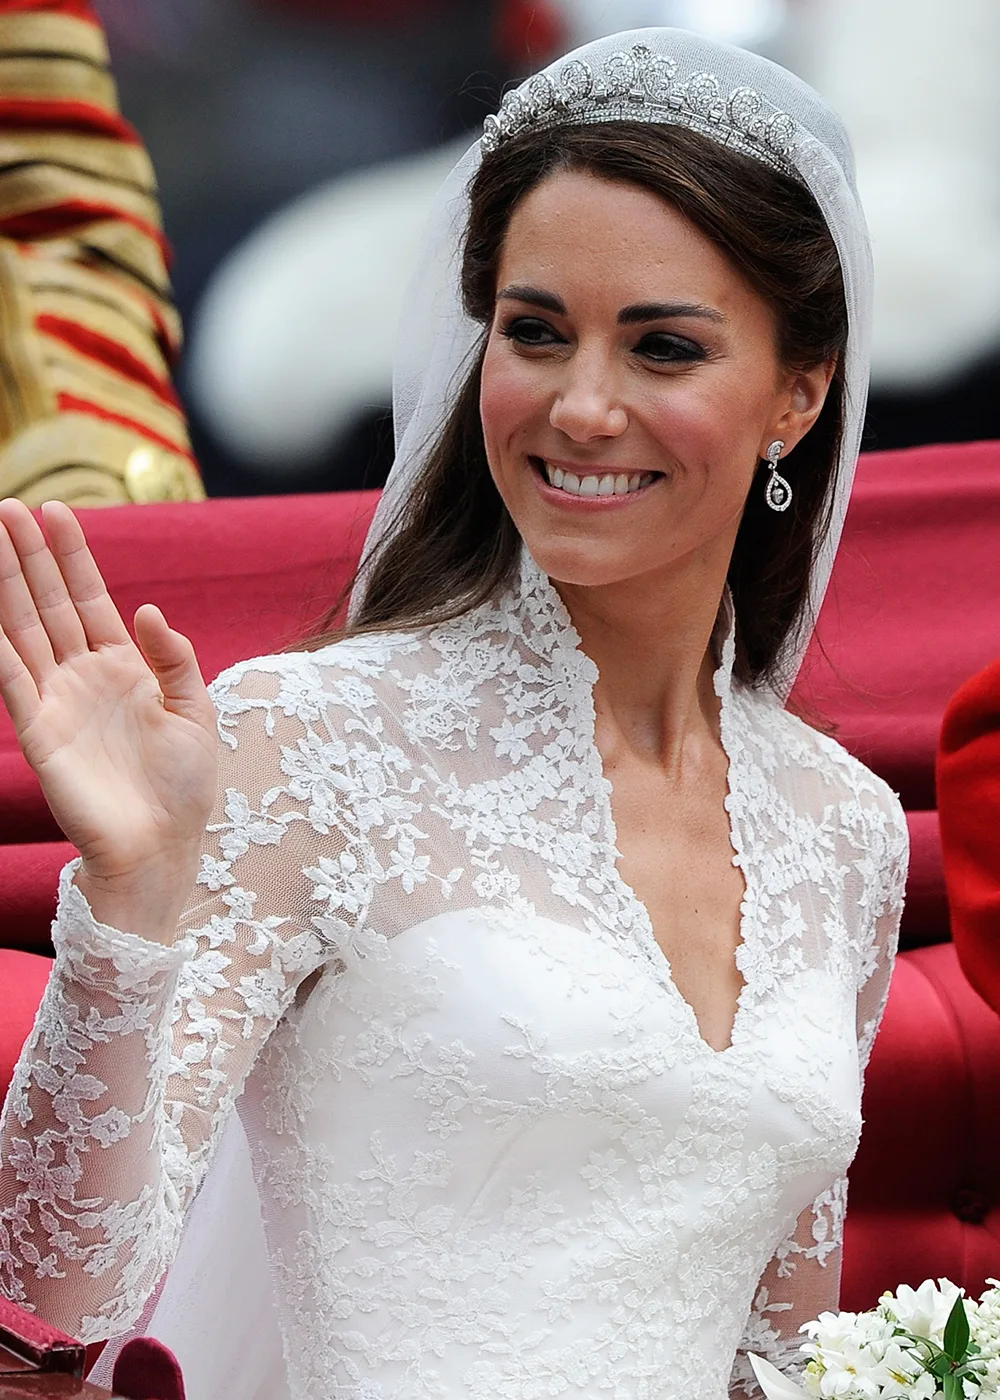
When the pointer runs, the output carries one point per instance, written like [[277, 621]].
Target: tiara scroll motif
[[639, 85]]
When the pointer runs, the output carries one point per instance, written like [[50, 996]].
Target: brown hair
[[455, 544]]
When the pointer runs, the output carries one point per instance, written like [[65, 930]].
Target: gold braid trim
[[86, 312], [58, 80], [86, 462], [99, 156], [31, 189], [130, 249], [55, 276], [24, 393], [38, 32]]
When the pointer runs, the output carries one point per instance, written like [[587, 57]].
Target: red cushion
[[912, 608], [147, 1370], [969, 794], [29, 880], [22, 981], [925, 914], [925, 1191]]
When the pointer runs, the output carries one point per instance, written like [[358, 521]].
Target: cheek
[[510, 399], [707, 426]]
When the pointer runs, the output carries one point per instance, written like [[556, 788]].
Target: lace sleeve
[[803, 1278], [139, 1050]]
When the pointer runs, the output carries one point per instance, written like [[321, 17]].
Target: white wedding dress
[[494, 1157]]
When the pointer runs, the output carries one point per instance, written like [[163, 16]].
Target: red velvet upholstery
[[923, 1195], [22, 981], [912, 611], [910, 615], [147, 1370], [969, 786]]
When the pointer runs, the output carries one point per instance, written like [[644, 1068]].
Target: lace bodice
[[494, 1156]]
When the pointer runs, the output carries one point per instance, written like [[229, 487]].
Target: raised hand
[[122, 737]]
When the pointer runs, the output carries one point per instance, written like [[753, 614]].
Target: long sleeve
[[139, 1050], [803, 1278]]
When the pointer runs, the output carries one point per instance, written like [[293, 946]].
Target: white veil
[[216, 1308]]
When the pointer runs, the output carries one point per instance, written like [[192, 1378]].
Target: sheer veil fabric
[[215, 1307]]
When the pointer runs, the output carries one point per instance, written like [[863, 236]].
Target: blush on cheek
[[714, 438], [508, 400]]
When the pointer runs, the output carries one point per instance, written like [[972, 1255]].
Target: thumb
[[171, 657]]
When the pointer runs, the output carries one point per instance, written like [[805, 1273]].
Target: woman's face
[[631, 384]]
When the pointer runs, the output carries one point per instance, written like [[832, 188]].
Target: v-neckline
[[601, 787]]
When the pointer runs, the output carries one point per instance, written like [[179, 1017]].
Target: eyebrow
[[634, 315]]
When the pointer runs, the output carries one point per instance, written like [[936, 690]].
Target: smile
[[593, 484]]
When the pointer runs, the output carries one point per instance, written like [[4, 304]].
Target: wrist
[[148, 903]]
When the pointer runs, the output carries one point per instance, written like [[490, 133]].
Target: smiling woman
[[644, 218], [537, 946]]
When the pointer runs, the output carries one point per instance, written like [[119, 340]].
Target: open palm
[[122, 737]]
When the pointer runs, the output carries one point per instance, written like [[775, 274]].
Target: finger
[[45, 582], [172, 659], [17, 689], [101, 621], [19, 620]]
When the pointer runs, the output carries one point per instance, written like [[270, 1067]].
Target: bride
[[538, 947]]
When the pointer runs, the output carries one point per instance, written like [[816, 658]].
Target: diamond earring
[[779, 492]]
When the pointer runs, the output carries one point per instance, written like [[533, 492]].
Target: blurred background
[[298, 144]]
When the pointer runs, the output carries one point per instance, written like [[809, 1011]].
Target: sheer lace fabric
[[494, 1156]]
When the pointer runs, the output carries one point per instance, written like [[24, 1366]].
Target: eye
[[669, 349], [531, 332]]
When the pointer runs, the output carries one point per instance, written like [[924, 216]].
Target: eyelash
[[682, 350]]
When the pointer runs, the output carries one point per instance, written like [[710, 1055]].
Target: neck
[[651, 641]]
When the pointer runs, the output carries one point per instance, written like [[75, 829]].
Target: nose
[[586, 405]]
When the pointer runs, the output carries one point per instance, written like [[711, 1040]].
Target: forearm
[[91, 1176]]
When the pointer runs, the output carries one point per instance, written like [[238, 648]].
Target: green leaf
[[956, 1331]]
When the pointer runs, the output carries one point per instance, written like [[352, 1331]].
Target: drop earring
[[779, 492]]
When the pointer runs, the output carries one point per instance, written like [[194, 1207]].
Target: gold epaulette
[[88, 328]]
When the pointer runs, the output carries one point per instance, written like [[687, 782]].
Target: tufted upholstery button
[[969, 1205]]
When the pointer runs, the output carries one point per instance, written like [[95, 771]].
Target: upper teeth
[[608, 485]]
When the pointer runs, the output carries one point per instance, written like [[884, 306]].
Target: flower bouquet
[[916, 1345]]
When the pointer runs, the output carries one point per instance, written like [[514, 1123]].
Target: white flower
[[855, 1356], [984, 1321], [771, 1381], [924, 1311]]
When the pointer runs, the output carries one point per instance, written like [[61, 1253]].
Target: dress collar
[[552, 634]]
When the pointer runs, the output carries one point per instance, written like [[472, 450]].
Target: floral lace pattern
[[494, 1155]]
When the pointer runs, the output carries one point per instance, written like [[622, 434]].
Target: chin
[[580, 566]]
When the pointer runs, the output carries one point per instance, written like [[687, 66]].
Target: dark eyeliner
[[549, 335], [673, 349]]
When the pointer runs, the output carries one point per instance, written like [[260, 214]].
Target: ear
[[802, 400]]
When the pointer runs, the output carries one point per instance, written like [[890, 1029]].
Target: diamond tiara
[[639, 85]]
